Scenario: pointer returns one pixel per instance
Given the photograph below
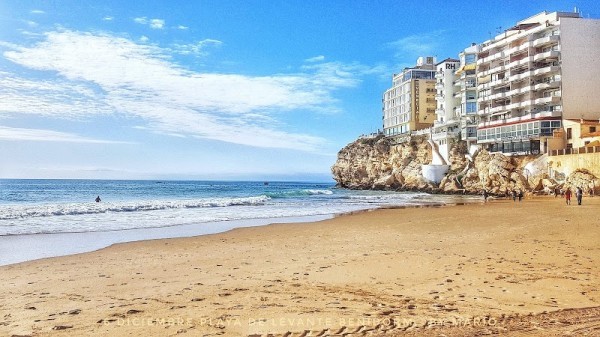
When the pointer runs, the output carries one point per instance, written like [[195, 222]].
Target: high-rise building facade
[[532, 77], [446, 126], [466, 89], [409, 105]]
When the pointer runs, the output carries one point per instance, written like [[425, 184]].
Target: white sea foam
[[49, 210], [318, 192]]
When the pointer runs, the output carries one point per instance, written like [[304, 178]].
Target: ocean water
[[48, 218]]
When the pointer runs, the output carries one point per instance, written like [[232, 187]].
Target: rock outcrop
[[375, 163]]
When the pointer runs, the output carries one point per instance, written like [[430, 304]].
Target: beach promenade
[[519, 269]]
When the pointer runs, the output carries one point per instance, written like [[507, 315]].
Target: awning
[[484, 79], [466, 67]]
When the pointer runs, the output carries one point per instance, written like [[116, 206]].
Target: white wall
[[580, 56]]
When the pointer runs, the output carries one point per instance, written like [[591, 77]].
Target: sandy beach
[[517, 269]]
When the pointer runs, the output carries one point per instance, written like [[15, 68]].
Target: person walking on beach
[[485, 195], [514, 195], [579, 195], [520, 195], [568, 196]]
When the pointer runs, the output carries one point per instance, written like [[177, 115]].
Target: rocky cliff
[[375, 163]]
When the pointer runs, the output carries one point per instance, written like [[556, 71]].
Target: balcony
[[547, 100], [519, 91], [546, 114], [553, 54], [492, 70], [553, 39], [498, 95], [521, 76], [521, 62], [525, 46], [545, 70], [517, 105], [497, 83], [547, 85], [497, 109], [438, 135]]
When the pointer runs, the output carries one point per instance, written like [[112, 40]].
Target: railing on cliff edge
[[581, 150]]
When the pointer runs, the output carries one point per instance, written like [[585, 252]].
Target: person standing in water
[[98, 199]]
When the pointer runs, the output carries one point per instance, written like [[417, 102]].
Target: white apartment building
[[446, 126], [466, 89], [409, 105], [535, 75]]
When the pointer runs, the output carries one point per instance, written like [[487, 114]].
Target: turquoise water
[[68, 206]]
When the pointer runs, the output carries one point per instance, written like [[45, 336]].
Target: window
[[470, 58], [592, 129], [471, 107], [569, 133]]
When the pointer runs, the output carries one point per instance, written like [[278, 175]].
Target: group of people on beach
[[518, 194]]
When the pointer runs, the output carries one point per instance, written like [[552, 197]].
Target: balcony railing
[[546, 55], [581, 150], [545, 40], [555, 99]]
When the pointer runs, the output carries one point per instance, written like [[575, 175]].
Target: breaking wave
[[49, 210]]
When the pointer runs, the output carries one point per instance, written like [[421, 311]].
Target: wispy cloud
[[40, 135], [153, 23], [319, 58], [413, 46], [108, 18], [198, 49], [182, 27], [37, 11], [100, 73]]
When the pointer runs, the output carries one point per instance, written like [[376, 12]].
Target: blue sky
[[247, 89]]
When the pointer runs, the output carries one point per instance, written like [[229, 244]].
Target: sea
[[45, 218]]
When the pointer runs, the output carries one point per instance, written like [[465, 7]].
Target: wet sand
[[520, 269]]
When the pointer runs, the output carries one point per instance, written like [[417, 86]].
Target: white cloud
[[99, 73], [319, 58], [40, 135], [68, 99], [417, 45], [31, 23], [141, 20], [108, 18], [144, 38], [157, 23], [198, 49], [153, 23], [182, 27], [37, 11]]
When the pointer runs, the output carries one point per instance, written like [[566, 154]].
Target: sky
[[219, 89]]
